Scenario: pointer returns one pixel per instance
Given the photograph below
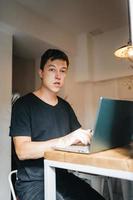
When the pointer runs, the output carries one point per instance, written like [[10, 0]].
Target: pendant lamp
[[126, 51]]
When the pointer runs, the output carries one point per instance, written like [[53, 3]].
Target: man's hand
[[78, 136]]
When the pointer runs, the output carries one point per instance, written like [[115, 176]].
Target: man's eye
[[52, 69], [63, 71]]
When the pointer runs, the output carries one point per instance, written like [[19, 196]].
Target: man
[[40, 121]]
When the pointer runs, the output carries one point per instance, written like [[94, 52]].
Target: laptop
[[113, 127]]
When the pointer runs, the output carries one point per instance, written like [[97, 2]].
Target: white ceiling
[[74, 16]]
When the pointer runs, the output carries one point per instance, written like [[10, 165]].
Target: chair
[[14, 172]]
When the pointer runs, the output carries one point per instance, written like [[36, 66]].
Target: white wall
[[23, 20], [95, 60], [106, 65], [84, 58], [5, 107]]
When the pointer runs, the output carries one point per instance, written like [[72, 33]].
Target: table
[[115, 163]]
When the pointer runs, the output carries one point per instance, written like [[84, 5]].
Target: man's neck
[[46, 96]]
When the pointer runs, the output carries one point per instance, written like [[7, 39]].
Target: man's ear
[[40, 73]]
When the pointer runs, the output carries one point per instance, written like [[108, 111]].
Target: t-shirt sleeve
[[20, 120], [74, 123]]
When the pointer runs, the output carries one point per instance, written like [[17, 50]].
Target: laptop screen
[[114, 124]]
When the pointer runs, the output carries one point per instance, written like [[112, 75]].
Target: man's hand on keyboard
[[78, 136]]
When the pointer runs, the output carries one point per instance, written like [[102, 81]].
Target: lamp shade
[[130, 53], [125, 52]]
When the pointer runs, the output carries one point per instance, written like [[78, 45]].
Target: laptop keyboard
[[74, 148]]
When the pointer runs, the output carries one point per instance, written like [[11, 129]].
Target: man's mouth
[[57, 84]]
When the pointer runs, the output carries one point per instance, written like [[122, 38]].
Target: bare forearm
[[33, 150]]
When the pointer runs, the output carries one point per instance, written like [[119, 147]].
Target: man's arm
[[27, 149]]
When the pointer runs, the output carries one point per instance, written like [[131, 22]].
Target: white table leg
[[125, 192], [50, 183], [96, 183]]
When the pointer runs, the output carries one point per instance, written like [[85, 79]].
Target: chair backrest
[[14, 172]]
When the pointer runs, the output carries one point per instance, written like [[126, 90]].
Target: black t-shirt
[[41, 121]]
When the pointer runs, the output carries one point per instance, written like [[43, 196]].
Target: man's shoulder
[[23, 99], [64, 102]]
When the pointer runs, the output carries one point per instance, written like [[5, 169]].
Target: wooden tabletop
[[117, 158]]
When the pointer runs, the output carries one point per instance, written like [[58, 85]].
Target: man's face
[[53, 75]]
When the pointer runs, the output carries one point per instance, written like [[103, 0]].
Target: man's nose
[[58, 75]]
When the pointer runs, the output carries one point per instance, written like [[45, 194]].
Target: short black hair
[[53, 54]]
